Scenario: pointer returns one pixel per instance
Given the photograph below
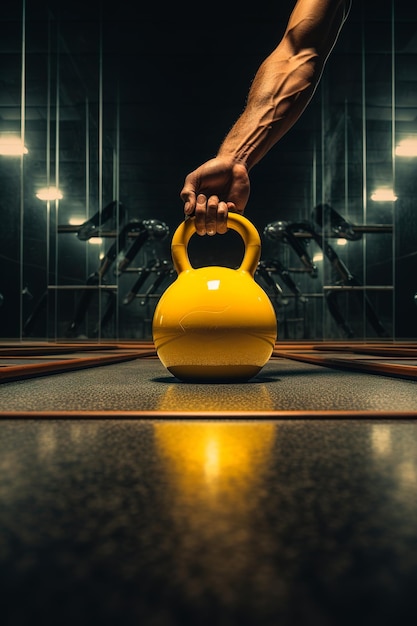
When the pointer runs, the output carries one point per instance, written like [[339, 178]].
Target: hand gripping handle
[[238, 222]]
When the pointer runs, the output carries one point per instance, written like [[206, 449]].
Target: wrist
[[250, 138], [234, 156]]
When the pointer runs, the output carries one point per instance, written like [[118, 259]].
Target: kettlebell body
[[215, 323]]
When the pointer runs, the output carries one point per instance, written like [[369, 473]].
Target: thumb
[[188, 196]]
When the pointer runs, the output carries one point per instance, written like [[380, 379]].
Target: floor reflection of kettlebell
[[215, 323]]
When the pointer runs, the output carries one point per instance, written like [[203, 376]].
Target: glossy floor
[[129, 498], [208, 522]]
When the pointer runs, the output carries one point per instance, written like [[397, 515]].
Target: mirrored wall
[[109, 110]]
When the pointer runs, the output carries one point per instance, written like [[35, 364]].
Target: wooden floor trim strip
[[184, 415], [397, 370], [10, 373]]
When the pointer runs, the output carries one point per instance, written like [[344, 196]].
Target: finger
[[189, 199], [222, 211], [200, 214], [211, 215]]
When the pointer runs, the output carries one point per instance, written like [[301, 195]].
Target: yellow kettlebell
[[215, 323]]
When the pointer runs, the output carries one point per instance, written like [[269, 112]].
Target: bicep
[[315, 24]]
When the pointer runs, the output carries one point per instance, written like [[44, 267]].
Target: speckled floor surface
[[207, 523], [178, 520], [145, 385]]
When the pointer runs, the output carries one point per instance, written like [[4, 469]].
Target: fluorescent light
[[49, 193], [11, 145], [383, 194], [407, 147], [76, 221], [318, 256], [95, 240], [341, 242]]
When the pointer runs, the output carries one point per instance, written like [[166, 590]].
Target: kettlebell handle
[[237, 222]]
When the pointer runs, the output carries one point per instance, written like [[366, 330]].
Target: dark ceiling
[[166, 84]]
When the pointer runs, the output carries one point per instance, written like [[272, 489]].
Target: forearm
[[273, 106], [286, 80]]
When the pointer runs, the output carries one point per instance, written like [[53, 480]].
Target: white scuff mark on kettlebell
[[184, 322]]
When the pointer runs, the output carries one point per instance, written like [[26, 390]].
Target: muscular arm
[[282, 88], [286, 80]]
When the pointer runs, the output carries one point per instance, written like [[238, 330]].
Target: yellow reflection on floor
[[215, 474], [183, 397], [214, 454]]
